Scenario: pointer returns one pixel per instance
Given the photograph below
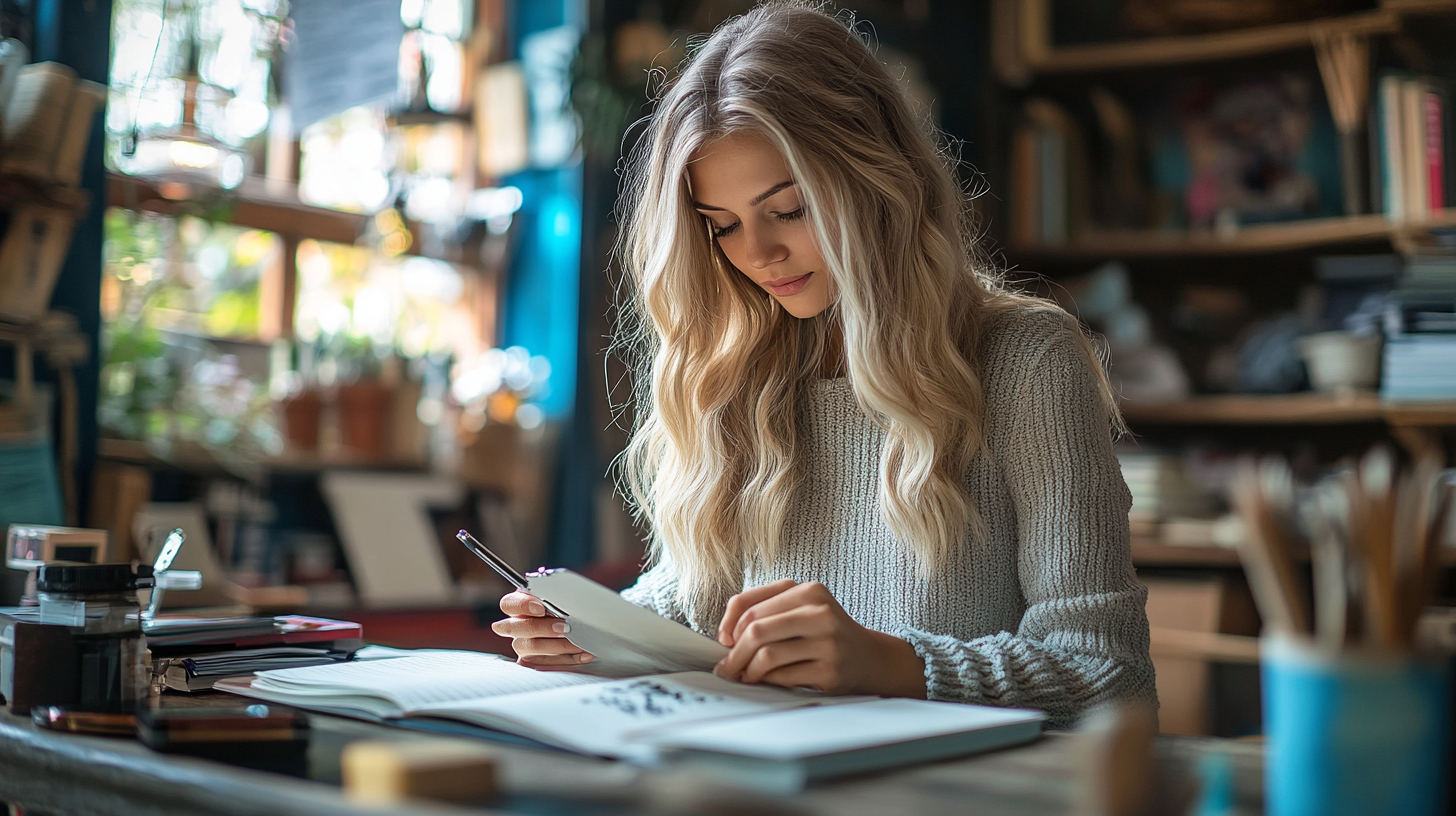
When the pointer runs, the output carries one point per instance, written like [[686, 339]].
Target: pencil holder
[[1353, 733]]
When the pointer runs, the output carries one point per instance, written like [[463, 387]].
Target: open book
[[721, 726], [620, 718]]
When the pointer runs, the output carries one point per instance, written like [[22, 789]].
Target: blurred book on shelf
[[1208, 155], [1412, 145], [1162, 488], [1420, 332], [1051, 167]]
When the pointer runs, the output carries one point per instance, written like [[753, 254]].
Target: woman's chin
[[804, 305]]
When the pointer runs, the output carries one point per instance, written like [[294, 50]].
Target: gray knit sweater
[[1042, 612]]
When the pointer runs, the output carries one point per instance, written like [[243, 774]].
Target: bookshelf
[[1097, 142], [1050, 209]]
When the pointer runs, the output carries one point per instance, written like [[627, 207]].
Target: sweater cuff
[[948, 673]]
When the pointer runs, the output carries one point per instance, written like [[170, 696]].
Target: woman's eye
[[793, 215], [719, 232]]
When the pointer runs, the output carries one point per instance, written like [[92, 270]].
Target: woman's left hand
[[790, 634]]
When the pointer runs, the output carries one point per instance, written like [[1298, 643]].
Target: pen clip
[[512, 576]]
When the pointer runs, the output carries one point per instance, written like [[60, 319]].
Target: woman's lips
[[783, 287]]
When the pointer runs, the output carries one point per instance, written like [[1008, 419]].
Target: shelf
[[1038, 56], [1221, 46], [1248, 409], [1203, 645], [190, 456], [1255, 239], [258, 204], [1147, 553], [1306, 408]]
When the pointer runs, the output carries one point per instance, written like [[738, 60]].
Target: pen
[[512, 576]]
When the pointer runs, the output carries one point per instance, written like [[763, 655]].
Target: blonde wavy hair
[[721, 369]]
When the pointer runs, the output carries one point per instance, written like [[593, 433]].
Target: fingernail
[[585, 658], [561, 628], [536, 608]]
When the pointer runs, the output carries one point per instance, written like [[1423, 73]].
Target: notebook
[[785, 751], [650, 719]]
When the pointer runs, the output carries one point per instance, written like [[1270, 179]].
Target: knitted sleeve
[[656, 589], [1083, 638]]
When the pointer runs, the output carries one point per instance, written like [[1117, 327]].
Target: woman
[[866, 466]]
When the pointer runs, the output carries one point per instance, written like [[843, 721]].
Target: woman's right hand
[[539, 639]]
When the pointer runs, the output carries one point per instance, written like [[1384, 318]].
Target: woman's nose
[[764, 249]]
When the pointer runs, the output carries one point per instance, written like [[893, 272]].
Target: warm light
[[192, 154], [182, 166]]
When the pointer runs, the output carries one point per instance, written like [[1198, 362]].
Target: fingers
[[780, 602], [539, 640], [800, 622], [531, 627], [812, 674], [520, 604], [554, 662], [742, 602], [545, 646], [778, 656]]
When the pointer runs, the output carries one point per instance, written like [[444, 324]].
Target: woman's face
[[742, 186]]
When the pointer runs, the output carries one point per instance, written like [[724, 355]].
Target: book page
[[411, 683], [626, 639], [618, 718]]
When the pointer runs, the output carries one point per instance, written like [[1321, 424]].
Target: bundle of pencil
[[1375, 533]]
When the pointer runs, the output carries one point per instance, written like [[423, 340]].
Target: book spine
[[1413, 131], [1375, 144], [1025, 187], [1435, 143], [1054, 186], [1393, 190]]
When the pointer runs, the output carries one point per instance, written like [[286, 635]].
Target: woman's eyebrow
[[755, 202]]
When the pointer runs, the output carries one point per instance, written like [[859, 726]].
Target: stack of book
[[1412, 147], [1162, 489], [190, 654], [1420, 332]]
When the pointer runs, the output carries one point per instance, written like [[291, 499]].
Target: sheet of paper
[[344, 53], [410, 683], [626, 639], [385, 528], [618, 718]]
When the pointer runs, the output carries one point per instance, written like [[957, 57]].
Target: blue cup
[[1353, 734]]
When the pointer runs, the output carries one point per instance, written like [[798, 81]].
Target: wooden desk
[[68, 775]]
